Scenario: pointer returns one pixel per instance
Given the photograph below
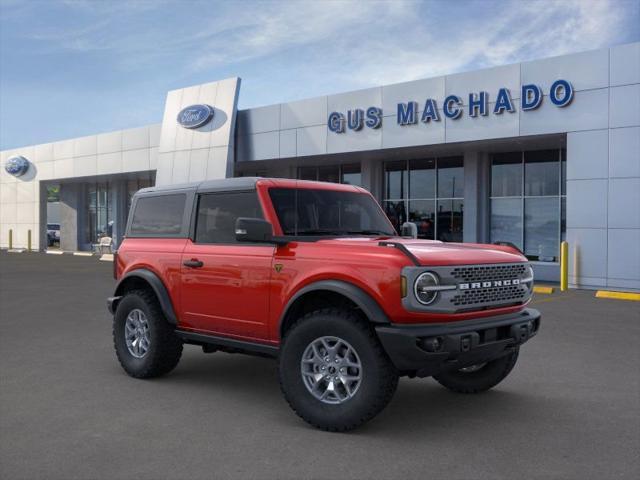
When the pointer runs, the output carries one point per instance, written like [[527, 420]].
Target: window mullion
[[559, 199], [522, 196]]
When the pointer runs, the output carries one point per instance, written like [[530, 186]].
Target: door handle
[[193, 263]]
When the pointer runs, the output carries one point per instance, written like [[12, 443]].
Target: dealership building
[[532, 154]]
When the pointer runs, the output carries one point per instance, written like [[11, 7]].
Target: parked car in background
[[53, 234]]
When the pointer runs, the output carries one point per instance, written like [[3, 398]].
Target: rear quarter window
[[160, 215]]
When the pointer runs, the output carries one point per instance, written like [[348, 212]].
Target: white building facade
[[531, 153]]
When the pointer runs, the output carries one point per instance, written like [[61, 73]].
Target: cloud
[[514, 32], [107, 54], [282, 26], [385, 41], [373, 43]]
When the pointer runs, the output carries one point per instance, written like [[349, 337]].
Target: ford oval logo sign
[[17, 166], [195, 116]]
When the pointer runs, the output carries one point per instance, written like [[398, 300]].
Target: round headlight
[[424, 288]]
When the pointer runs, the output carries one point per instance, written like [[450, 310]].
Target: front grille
[[479, 273], [466, 288], [492, 295]]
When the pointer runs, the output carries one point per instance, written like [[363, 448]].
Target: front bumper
[[426, 350]]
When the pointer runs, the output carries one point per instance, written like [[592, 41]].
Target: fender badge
[[278, 267]]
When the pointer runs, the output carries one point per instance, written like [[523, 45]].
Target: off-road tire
[[379, 376], [481, 380], [166, 348]]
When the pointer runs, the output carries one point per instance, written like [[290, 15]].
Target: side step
[[228, 344]]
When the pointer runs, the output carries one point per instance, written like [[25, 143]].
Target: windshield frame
[[386, 229]]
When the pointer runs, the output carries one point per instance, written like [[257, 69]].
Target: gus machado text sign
[[560, 95]]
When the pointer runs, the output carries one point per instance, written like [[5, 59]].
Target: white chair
[[105, 243]]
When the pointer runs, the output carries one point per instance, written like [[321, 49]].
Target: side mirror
[[254, 230]]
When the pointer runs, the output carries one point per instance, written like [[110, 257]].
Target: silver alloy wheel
[[473, 368], [331, 370], [136, 333]]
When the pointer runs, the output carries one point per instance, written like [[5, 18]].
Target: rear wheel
[[478, 378], [145, 344], [333, 371]]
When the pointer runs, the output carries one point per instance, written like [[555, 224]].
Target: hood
[[433, 252], [430, 252]]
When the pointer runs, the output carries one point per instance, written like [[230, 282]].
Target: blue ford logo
[[195, 116], [17, 166]]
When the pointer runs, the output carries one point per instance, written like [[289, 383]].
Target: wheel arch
[[347, 293], [143, 278]]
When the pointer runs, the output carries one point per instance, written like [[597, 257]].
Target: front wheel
[[478, 378], [145, 343], [333, 371]]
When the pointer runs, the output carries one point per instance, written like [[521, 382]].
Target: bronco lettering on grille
[[489, 284]]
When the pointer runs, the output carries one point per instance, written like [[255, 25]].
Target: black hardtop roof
[[223, 184]]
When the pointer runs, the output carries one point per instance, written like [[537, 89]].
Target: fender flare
[[158, 288], [362, 299]]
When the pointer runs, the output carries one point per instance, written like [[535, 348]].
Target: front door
[[225, 284]]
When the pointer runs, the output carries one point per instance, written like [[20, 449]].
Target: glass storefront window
[[541, 228], [533, 218], [329, 173], [308, 173], [423, 214], [136, 184], [450, 220], [563, 218], [422, 178], [395, 180], [541, 173], [53, 193], [506, 220], [348, 174], [563, 172], [433, 191], [450, 177], [100, 212], [506, 175], [397, 213], [351, 175]]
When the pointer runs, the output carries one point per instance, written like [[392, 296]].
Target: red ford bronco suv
[[314, 275]]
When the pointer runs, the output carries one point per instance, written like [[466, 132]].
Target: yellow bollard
[[564, 266], [29, 240], [10, 239]]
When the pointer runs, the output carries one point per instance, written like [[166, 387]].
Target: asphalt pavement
[[569, 410]]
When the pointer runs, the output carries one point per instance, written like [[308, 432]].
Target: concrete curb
[[634, 297], [543, 289]]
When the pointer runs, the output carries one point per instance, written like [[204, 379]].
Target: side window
[[158, 215], [217, 214]]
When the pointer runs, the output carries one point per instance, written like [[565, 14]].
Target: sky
[[70, 68]]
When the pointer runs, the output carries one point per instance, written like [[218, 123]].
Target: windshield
[[328, 212]]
